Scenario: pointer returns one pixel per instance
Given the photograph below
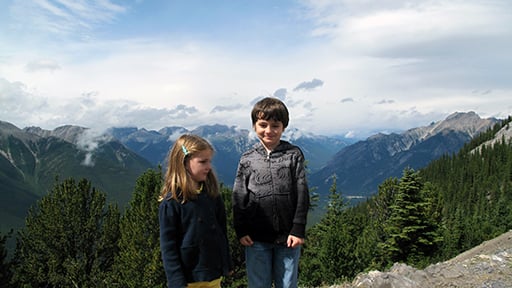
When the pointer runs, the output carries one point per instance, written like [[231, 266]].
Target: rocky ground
[[488, 265]]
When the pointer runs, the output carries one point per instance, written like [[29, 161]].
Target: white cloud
[[309, 85], [280, 93], [64, 17], [383, 65], [42, 64]]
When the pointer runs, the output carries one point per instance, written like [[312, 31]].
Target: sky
[[342, 67]]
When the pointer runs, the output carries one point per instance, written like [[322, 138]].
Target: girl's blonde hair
[[178, 183]]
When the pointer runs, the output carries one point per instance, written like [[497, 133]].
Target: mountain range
[[31, 158], [229, 144], [359, 168]]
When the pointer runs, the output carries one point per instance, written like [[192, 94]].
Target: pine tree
[[238, 278], [139, 262], [66, 241], [330, 243], [5, 266], [411, 236]]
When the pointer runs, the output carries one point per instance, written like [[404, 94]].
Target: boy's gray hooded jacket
[[270, 194]]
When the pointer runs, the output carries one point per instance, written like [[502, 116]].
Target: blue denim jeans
[[267, 263]]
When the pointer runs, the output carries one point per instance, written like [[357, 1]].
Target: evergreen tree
[[66, 241], [139, 262], [330, 243], [411, 236], [466, 200], [334, 237], [5, 266], [310, 265], [238, 278], [380, 206]]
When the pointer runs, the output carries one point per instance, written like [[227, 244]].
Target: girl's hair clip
[[185, 151]]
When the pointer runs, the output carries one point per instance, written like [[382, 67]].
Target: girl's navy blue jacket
[[193, 240]]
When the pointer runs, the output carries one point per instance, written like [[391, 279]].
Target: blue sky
[[345, 67]]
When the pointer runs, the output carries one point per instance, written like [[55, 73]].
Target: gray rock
[[489, 265]]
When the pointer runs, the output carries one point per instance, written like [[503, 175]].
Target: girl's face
[[269, 132], [199, 165]]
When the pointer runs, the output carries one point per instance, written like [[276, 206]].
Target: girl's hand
[[246, 240], [294, 241]]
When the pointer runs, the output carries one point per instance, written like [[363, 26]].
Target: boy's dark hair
[[270, 109]]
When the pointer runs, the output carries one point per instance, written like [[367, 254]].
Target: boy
[[271, 200]]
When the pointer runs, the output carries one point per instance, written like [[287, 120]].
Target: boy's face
[[269, 132]]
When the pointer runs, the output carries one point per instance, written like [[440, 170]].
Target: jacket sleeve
[[240, 202], [301, 186], [169, 221]]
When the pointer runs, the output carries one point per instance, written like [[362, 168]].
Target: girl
[[192, 216]]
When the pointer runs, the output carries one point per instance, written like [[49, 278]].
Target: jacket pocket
[[190, 256]]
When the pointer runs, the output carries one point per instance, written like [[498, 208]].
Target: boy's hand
[[294, 241], [246, 240]]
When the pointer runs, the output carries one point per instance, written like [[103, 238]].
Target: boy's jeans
[[267, 262]]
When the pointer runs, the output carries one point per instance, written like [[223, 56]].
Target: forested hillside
[[73, 237], [362, 166], [32, 159], [426, 216]]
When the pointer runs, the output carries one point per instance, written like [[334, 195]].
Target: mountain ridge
[[30, 164], [228, 141], [359, 168]]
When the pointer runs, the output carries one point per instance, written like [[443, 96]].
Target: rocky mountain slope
[[486, 265], [504, 134], [31, 159], [362, 166], [229, 143]]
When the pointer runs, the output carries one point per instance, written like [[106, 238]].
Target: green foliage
[[427, 216], [67, 240], [139, 262], [72, 240], [329, 254], [5, 265], [476, 191], [34, 162], [237, 279], [410, 234]]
